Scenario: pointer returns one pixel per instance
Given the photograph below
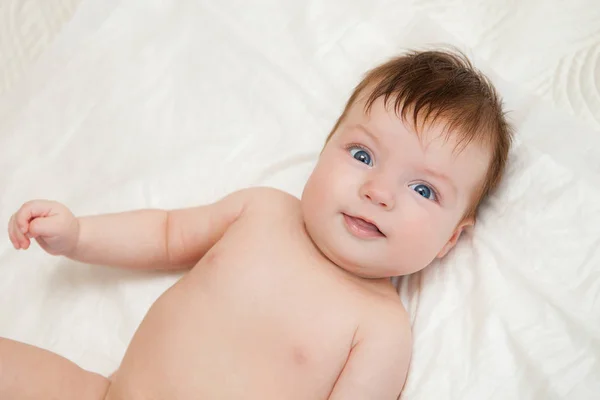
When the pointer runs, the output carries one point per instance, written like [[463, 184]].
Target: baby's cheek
[[328, 175], [420, 235], [341, 184]]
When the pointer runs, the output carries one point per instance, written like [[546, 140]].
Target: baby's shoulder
[[386, 315], [263, 198], [384, 340]]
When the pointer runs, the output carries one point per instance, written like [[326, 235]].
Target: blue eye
[[361, 155], [424, 191]]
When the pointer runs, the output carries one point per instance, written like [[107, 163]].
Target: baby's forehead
[[427, 128], [455, 123], [438, 141], [436, 130], [435, 144]]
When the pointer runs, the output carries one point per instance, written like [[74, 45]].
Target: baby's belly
[[200, 341]]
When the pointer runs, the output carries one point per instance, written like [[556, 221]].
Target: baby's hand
[[51, 224]]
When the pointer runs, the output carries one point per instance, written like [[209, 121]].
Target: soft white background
[[132, 103]]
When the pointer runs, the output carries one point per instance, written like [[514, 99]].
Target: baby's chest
[[275, 285], [231, 320], [271, 315]]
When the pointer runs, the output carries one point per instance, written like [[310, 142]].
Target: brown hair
[[440, 84]]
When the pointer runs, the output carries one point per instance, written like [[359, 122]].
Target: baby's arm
[[378, 363], [153, 239], [142, 239]]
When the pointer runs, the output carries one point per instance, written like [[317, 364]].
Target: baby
[[291, 298]]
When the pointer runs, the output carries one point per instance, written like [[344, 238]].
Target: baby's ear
[[465, 223]]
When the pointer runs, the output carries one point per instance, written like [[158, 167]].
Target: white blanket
[[141, 103], [27, 27]]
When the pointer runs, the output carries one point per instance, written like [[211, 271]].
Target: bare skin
[[285, 298], [263, 315], [283, 328]]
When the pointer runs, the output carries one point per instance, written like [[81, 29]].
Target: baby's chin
[[369, 267], [357, 265]]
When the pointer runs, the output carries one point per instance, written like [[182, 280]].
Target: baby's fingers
[[16, 235], [11, 232], [23, 216], [30, 210], [44, 227]]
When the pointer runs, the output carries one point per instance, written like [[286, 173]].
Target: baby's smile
[[361, 227]]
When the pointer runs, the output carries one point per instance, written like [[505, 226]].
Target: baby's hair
[[442, 86]]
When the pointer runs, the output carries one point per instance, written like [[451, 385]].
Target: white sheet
[[171, 103], [27, 27]]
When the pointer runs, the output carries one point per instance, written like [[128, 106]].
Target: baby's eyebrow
[[440, 175], [364, 129]]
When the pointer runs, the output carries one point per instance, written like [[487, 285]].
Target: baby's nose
[[378, 194]]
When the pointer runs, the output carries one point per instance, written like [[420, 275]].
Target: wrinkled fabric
[[168, 104]]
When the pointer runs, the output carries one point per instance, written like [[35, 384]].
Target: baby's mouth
[[361, 227]]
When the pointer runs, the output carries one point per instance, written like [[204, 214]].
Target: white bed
[[139, 103], [27, 27]]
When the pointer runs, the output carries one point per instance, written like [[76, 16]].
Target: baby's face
[[383, 201]]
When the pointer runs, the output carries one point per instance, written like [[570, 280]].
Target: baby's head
[[422, 141]]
